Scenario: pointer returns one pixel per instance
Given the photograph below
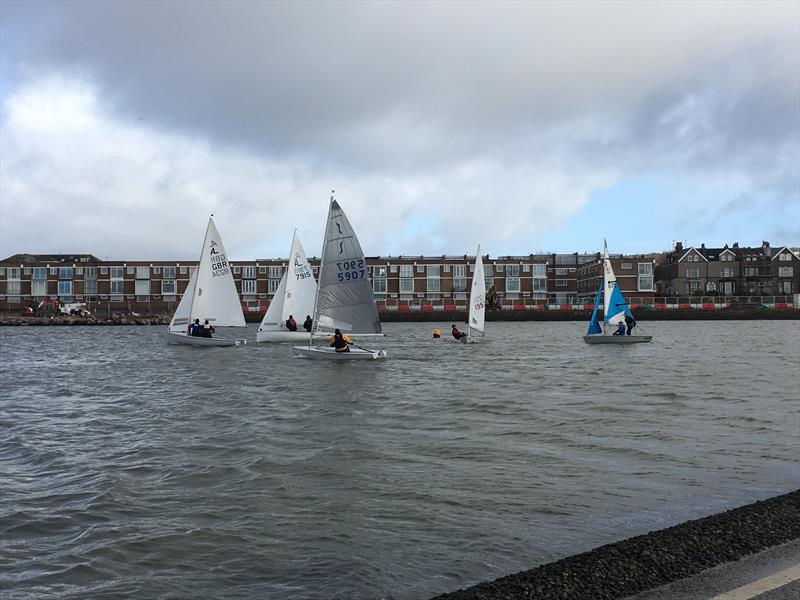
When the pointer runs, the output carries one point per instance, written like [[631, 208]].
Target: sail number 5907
[[351, 270]]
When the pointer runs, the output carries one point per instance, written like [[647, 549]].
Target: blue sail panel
[[594, 323], [617, 307]]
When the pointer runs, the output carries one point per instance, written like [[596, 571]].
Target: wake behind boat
[[209, 297], [345, 303], [615, 312]]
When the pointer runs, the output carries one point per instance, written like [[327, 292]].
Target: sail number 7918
[[351, 270]]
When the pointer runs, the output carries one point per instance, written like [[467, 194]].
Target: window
[[169, 273], [726, 257], [142, 287], [249, 285], [626, 266], [512, 270], [39, 287], [692, 273], [785, 256], [117, 283], [785, 271], [39, 273], [726, 272], [565, 271], [434, 283], [65, 290], [183, 270], [512, 285], [565, 259], [65, 273], [262, 270], [784, 287], [488, 280], [249, 273], [275, 272], [540, 270], [526, 268], [406, 285], [90, 273], [168, 286], [498, 268], [459, 278], [695, 286], [90, 287], [379, 280], [645, 282], [272, 285], [727, 287], [392, 268], [446, 268], [540, 284], [142, 272], [103, 270], [406, 271], [751, 271], [420, 268], [237, 270], [13, 287], [117, 273], [131, 270], [53, 270]]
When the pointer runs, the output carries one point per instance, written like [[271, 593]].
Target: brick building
[[634, 273]]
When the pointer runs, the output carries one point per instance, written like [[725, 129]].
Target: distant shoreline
[[724, 314]]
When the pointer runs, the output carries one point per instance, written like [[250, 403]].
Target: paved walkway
[[773, 574]]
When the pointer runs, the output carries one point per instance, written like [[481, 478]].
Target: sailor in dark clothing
[[340, 342], [630, 322], [207, 330], [308, 323], [291, 324], [620, 329], [195, 328], [458, 334]]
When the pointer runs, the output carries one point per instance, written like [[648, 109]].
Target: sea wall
[[645, 315], [648, 561]]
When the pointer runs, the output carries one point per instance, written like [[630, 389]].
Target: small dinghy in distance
[[477, 303], [615, 309], [294, 296], [210, 295], [344, 298]]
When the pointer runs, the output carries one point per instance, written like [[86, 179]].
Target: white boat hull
[[617, 339], [467, 339], [327, 353], [280, 337], [176, 337]]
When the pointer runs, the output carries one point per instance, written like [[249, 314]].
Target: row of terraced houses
[[692, 274]]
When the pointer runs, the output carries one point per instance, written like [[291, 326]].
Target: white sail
[[215, 296], [300, 285], [344, 297], [611, 314], [273, 319], [180, 320], [477, 296]]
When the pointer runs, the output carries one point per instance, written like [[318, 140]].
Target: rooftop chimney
[[678, 247]]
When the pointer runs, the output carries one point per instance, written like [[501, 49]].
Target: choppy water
[[132, 468]]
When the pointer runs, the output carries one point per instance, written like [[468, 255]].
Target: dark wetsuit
[[458, 334], [196, 330], [291, 324], [339, 344], [307, 324]]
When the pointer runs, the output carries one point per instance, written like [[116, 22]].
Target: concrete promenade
[[687, 557]]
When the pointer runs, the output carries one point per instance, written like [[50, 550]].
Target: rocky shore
[[84, 321], [648, 561]]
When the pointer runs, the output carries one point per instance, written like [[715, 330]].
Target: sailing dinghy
[[294, 296], [477, 302], [344, 298], [211, 295], [615, 309]]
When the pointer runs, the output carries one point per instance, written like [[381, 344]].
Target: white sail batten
[[180, 320], [215, 297], [345, 299], [273, 318], [477, 297]]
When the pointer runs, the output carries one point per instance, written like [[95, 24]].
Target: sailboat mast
[[315, 326]]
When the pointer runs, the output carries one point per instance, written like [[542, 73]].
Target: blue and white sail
[[614, 308], [594, 323]]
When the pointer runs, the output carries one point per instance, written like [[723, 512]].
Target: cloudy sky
[[523, 126]]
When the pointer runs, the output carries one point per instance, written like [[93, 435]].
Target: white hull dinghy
[[294, 296], [615, 310], [210, 296], [344, 298], [477, 303]]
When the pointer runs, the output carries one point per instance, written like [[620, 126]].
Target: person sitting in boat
[[630, 322], [341, 342], [308, 323], [620, 328], [207, 330], [291, 324], [195, 329], [458, 334]]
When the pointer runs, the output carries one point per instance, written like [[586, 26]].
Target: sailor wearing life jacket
[[341, 342]]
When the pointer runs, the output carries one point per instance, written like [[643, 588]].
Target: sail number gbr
[[351, 270]]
